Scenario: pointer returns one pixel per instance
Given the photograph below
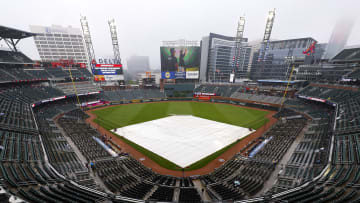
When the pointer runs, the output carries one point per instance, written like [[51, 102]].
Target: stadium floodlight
[[114, 40], [88, 42]]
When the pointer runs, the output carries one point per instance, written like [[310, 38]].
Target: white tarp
[[183, 140]]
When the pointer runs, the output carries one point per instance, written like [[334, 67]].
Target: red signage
[[201, 97], [108, 65]]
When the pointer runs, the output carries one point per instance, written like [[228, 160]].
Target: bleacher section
[[82, 135], [220, 90], [59, 72], [15, 115], [310, 155], [258, 98], [340, 180], [127, 95], [46, 160], [23, 73], [354, 75], [81, 87], [348, 101], [238, 92], [30, 94], [348, 55], [14, 57], [251, 173]]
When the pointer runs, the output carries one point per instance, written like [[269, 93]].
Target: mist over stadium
[[157, 101]]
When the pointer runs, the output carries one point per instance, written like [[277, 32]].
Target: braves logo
[[167, 75], [310, 50]]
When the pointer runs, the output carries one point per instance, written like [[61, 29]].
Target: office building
[[56, 43], [218, 59]]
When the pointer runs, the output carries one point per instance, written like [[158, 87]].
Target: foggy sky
[[143, 24]]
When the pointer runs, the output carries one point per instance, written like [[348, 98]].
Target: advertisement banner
[[204, 94], [114, 77], [192, 74], [192, 69], [58, 98], [99, 78], [179, 59], [168, 75], [201, 97], [180, 75], [107, 69]]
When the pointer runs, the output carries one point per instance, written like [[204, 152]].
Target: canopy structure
[[12, 36]]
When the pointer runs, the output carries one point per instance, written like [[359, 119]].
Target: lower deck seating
[[162, 194], [189, 195]]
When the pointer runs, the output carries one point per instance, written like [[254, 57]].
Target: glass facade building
[[281, 55], [218, 59]]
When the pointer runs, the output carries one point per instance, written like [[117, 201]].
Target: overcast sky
[[143, 24]]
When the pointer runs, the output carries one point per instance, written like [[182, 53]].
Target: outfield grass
[[123, 115]]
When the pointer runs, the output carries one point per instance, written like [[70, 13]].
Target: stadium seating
[[43, 160], [59, 72], [82, 135], [38, 73], [258, 98], [26, 73], [13, 57], [348, 54], [189, 195], [237, 92], [309, 157], [31, 94], [220, 90], [163, 194], [128, 95], [81, 87]]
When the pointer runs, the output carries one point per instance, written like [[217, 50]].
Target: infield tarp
[[183, 140]]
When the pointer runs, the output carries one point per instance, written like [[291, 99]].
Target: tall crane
[[115, 41], [88, 42], [238, 40]]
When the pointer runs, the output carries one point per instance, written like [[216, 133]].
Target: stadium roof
[[294, 39], [348, 55], [12, 33], [281, 81]]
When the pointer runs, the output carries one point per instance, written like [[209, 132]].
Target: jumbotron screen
[[180, 62], [107, 72]]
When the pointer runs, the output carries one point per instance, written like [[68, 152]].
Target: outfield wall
[[216, 99]]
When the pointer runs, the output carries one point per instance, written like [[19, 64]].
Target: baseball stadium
[[222, 119]]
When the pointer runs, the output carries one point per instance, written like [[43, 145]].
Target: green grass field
[[123, 115]]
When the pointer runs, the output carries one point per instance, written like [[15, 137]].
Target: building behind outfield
[[217, 58], [281, 55], [138, 64], [57, 42]]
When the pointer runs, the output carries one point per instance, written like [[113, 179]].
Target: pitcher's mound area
[[183, 140]]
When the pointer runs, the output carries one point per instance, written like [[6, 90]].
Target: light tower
[[114, 40], [268, 28], [238, 40], [88, 42], [265, 42]]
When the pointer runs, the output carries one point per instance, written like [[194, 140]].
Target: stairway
[[148, 195]]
